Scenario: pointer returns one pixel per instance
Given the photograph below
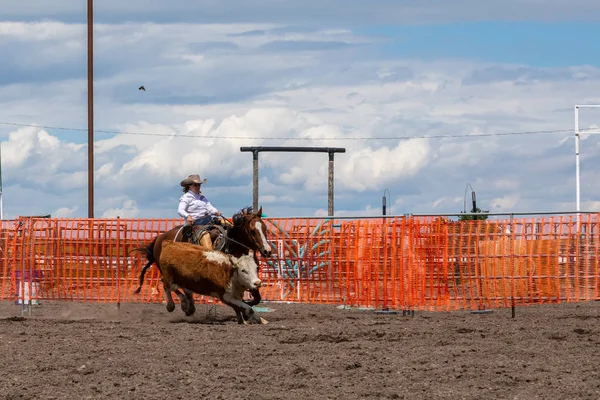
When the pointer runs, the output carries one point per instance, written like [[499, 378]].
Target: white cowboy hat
[[195, 178]]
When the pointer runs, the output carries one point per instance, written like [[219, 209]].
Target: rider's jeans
[[203, 220]]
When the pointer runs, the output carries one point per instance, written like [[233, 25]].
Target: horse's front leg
[[255, 298], [254, 292]]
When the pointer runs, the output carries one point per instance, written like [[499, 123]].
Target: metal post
[[577, 187], [465, 196], [90, 44], [330, 150], [474, 198], [118, 263], [577, 169], [330, 186], [383, 205], [255, 180]]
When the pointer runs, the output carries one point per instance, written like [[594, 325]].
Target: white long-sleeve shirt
[[196, 205]]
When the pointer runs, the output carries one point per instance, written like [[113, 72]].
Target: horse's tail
[[139, 289], [149, 252]]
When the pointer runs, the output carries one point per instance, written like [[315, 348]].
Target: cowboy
[[195, 208]]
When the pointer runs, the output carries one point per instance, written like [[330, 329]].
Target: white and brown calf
[[209, 273]]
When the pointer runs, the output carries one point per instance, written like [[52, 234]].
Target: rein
[[227, 238], [235, 241]]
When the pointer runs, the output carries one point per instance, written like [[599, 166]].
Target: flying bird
[[142, 88]]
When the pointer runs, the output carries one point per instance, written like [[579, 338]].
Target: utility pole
[[90, 77], [1, 210]]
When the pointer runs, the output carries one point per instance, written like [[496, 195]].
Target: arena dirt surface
[[93, 351]]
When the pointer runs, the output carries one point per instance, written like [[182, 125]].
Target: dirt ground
[[95, 351]]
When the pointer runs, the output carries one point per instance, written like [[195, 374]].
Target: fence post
[[118, 263], [512, 265]]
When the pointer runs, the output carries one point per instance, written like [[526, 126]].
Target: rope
[[180, 229]]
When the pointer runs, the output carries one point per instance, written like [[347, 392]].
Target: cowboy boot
[[205, 240]]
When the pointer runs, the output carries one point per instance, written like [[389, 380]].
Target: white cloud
[[65, 212], [40, 31], [505, 203], [37, 158], [128, 210], [505, 184], [213, 88], [367, 168]]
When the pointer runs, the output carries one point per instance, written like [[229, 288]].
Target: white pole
[[577, 137]]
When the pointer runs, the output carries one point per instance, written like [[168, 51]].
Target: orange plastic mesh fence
[[423, 263]]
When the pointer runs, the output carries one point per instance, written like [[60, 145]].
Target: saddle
[[214, 228]]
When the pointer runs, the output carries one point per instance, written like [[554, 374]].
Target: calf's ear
[[235, 263]]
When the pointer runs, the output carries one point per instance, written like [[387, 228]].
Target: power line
[[296, 138]]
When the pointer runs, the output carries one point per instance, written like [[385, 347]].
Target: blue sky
[[373, 77], [533, 43]]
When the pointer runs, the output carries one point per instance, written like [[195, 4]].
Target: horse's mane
[[238, 218]]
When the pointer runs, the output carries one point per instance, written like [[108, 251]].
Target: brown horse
[[248, 233]]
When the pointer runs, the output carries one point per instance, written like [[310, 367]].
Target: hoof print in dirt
[[15, 319], [354, 365]]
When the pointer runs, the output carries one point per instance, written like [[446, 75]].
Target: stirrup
[[195, 239], [221, 243]]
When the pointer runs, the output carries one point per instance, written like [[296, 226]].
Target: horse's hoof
[[191, 310], [263, 321], [170, 307], [254, 319]]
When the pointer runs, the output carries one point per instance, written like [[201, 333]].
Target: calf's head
[[246, 271]]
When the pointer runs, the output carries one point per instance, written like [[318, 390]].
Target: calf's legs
[[182, 297], [241, 309], [191, 308]]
